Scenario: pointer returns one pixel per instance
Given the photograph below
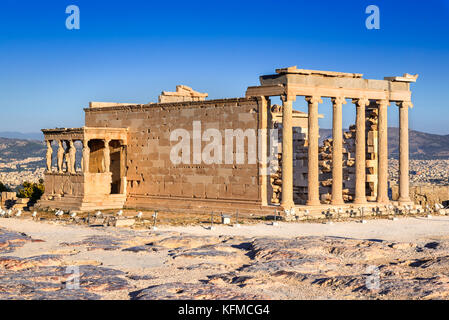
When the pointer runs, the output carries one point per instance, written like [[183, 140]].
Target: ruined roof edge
[[174, 104]]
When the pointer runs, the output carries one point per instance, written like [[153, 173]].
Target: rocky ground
[[40, 260]]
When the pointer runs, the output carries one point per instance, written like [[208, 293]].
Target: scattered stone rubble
[[9, 200]]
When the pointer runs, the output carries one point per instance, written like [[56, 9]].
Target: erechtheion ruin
[[127, 149]]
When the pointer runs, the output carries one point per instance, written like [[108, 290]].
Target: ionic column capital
[[383, 102], [288, 98], [339, 100], [361, 102], [404, 104], [314, 99]]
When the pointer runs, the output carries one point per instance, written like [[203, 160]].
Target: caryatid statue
[[49, 155], [60, 156], [72, 158], [86, 154], [67, 155]]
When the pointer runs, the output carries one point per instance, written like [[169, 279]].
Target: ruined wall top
[[182, 93], [405, 78], [295, 70], [94, 104]]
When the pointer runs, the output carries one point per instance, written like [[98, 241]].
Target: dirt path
[[404, 229]]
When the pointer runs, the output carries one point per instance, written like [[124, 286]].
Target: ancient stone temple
[[128, 155]]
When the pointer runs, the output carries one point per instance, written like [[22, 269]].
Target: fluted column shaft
[[337, 151], [313, 168], [360, 152], [287, 155], [404, 195], [382, 185]]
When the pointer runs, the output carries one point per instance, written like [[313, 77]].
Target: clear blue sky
[[131, 50]]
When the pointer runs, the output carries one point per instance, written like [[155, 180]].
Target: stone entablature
[[333, 84], [86, 133]]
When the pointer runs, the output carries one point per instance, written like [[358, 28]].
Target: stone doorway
[[96, 157]]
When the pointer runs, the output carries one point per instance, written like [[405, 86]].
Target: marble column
[[264, 178], [404, 183], [382, 184], [107, 156], [60, 155], [337, 151], [287, 154], [360, 152], [313, 135], [86, 156], [49, 156]]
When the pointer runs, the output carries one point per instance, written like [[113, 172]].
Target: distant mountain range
[[20, 149], [422, 145], [16, 145], [22, 136]]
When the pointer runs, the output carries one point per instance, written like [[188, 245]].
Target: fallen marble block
[[124, 223]]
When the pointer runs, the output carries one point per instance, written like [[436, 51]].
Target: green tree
[[4, 188], [33, 191]]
